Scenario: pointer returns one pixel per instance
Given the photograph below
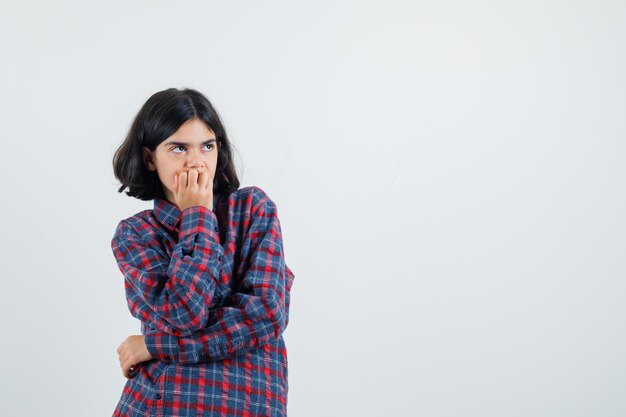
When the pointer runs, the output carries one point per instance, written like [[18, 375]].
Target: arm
[[172, 295], [253, 315]]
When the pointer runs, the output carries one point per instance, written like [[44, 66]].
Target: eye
[[173, 148]]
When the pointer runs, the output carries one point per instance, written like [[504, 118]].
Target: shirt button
[[158, 396], [216, 228], [168, 359], [203, 354], [219, 258]]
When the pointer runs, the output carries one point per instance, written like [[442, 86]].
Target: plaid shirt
[[211, 289]]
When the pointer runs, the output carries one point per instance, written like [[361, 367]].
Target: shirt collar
[[169, 215]]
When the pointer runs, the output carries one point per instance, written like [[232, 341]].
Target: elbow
[[185, 318], [191, 323], [177, 326], [188, 313], [277, 315], [169, 312]]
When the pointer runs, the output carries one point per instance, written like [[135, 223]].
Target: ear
[[147, 159]]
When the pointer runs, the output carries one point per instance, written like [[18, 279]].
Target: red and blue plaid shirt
[[211, 289]]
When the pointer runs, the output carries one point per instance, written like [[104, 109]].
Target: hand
[[132, 351], [193, 189]]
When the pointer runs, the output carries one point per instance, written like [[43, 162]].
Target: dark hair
[[159, 118]]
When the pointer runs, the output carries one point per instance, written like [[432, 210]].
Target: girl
[[204, 271]]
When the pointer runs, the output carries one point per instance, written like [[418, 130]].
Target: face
[[192, 146]]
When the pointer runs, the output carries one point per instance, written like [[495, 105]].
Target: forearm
[[172, 294]]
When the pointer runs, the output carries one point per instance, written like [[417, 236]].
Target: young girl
[[204, 271]]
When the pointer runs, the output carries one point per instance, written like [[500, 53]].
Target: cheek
[[170, 176]]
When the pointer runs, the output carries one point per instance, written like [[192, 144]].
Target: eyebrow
[[206, 142]]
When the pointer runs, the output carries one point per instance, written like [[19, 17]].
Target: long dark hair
[[159, 118]]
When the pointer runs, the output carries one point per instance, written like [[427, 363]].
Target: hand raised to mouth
[[193, 188]]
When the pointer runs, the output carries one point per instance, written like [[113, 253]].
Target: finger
[[203, 182], [127, 361], [193, 177], [129, 369], [127, 365], [183, 180]]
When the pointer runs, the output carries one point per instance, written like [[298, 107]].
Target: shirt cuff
[[162, 346]]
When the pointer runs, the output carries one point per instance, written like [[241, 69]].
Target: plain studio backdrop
[[449, 177]]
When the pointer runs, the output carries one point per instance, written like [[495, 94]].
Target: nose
[[194, 160]]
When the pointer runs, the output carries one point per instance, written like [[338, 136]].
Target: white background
[[449, 175]]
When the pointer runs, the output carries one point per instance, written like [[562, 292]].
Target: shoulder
[[251, 199], [136, 224]]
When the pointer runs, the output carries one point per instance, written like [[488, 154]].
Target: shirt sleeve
[[254, 314], [172, 294]]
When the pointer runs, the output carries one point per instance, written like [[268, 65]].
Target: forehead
[[192, 132]]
